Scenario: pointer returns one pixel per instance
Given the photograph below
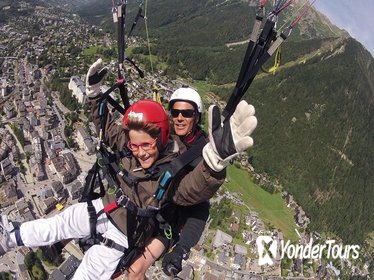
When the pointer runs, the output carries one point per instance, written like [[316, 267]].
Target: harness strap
[[178, 165], [93, 217], [189, 156], [109, 161], [110, 243], [124, 201]]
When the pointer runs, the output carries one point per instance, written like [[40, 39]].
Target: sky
[[355, 16]]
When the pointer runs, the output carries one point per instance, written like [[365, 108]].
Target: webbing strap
[[180, 162], [252, 41], [110, 243], [177, 165], [124, 201], [110, 100], [92, 217], [110, 160], [138, 15], [256, 55], [88, 193]]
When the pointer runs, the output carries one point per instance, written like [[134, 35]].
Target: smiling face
[[144, 148], [184, 125]]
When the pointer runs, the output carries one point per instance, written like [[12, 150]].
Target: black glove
[[228, 140], [172, 262]]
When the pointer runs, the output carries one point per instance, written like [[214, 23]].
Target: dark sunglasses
[[188, 113]]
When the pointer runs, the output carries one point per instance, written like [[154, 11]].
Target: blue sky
[[355, 16]]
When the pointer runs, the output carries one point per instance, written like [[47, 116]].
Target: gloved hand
[[172, 262], [228, 140], [94, 78]]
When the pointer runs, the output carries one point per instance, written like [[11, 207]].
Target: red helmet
[[150, 112]]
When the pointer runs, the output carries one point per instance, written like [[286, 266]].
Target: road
[[237, 43]]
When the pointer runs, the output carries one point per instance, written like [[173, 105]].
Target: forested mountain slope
[[316, 134], [316, 115]]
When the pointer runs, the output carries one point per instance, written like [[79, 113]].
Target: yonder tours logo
[[268, 249]]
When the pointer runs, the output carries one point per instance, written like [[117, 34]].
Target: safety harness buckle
[[120, 199], [163, 184], [111, 244]]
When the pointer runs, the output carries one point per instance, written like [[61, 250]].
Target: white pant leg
[[73, 222], [99, 262]]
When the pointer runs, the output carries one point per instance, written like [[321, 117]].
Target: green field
[[202, 87], [90, 51], [270, 207]]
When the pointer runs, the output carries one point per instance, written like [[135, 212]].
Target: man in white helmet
[[186, 109]]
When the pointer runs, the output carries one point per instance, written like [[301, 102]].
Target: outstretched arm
[[113, 133]]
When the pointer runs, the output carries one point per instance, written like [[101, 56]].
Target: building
[[27, 128], [69, 267], [75, 189], [57, 275], [78, 89], [66, 269], [21, 205], [187, 272], [24, 211], [66, 167], [26, 95], [71, 164], [8, 194], [9, 110], [4, 88], [15, 153], [239, 262], [37, 169], [223, 258], [7, 169], [221, 239], [37, 147], [48, 204], [58, 189], [241, 250], [20, 258], [33, 120], [84, 140]]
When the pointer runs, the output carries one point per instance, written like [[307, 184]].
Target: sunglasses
[[188, 113], [146, 146]]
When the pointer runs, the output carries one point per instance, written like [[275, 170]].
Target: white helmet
[[189, 95]]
